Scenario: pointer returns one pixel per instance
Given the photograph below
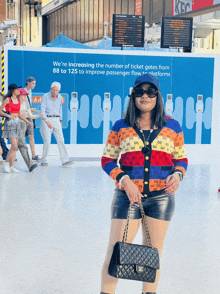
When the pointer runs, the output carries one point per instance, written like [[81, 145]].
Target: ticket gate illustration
[[106, 113], [197, 114], [175, 109], [169, 105], [76, 114], [106, 117], [74, 106]]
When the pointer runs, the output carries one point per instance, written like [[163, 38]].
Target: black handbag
[[3, 119], [134, 262]]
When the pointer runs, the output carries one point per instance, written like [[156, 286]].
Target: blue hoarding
[[95, 89]]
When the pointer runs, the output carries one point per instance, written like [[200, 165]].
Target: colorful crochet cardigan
[[149, 173]]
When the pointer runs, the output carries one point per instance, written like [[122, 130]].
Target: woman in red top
[[12, 129]]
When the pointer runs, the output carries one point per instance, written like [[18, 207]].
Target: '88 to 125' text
[[69, 70]]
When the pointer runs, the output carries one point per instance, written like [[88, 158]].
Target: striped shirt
[[148, 172]]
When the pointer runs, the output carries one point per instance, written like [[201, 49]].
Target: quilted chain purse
[[134, 262]]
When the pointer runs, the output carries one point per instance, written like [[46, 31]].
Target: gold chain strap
[[125, 235]]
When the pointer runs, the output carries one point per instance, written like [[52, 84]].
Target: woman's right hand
[[132, 191], [12, 117]]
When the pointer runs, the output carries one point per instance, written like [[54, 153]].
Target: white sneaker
[[6, 167], [14, 170]]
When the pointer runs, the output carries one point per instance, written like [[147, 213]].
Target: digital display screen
[[176, 32], [128, 30]]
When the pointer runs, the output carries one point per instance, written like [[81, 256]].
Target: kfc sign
[[181, 6], [185, 6]]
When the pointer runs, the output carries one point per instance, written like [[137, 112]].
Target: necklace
[[146, 149]]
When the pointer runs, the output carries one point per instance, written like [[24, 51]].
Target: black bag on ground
[[134, 262]]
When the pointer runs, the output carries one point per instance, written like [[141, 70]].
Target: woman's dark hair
[[158, 117], [9, 94]]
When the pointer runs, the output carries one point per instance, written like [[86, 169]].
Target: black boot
[[149, 293]]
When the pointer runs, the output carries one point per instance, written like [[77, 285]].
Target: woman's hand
[[11, 117], [41, 114], [132, 191], [34, 110], [29, 123], [172, 183]]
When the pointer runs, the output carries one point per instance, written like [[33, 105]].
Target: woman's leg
[[109, 283], [12, 152], [158, 229]]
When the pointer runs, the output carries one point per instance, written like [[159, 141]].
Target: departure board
[[128, 30], [176, 32]]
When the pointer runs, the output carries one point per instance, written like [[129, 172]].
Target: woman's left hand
[[172, 183], [29, 123]]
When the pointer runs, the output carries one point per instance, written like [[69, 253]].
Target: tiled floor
[[54, 227]]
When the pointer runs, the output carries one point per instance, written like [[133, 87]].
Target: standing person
[[26, 128], [12, 127], [2, 141], [1, 162], [152, 163], [5, 149], [51, 122], [30, 85]]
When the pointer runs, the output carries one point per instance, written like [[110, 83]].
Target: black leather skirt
[[159, 207]]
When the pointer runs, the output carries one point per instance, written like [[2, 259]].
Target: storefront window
[[118, 6], [112, 11], [86, 20], [82, 39], [91, 18], [131, 7], [78, 31], [101, 16], [74, 21], [124, 6], [96, 19]]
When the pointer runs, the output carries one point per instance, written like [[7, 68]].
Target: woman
[[12, 128], [152, 163]]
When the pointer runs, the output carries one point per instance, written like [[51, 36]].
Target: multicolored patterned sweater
[[149, 173]]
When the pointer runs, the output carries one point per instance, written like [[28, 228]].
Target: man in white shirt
[[51, 122], [30, 85]]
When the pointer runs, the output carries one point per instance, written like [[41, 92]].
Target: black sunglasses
[[151, 92]]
